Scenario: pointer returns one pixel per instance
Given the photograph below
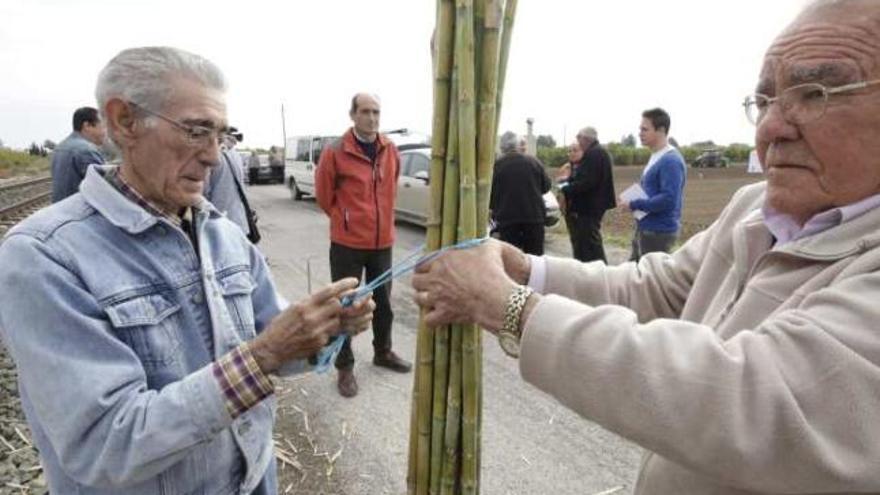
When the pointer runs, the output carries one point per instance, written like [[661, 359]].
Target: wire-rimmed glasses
[[799, 104]]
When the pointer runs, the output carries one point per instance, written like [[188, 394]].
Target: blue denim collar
[[118, 209]]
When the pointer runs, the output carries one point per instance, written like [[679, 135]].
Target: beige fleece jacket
[[740, 369]]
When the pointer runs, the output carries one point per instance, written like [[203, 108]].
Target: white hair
[[508, 142], [145, 76], [815, 5], [589, 132]]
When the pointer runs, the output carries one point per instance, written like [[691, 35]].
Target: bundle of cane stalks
[[470, 47]]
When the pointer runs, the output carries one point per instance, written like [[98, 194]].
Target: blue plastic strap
[[328, 354]]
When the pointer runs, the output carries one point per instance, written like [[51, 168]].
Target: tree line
[[627, 152]]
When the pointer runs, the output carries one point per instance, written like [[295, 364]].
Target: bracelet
[[509, 335]]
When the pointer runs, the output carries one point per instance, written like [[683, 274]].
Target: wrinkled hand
[[357, 317], [304, 328], [517, 264], [466, 286], [623, 204]]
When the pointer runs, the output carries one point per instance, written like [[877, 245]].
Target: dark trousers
[[585, 231], [528, 237], [647, 241], [349, 262]]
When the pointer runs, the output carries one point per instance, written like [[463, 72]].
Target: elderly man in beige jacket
[[748, 361]]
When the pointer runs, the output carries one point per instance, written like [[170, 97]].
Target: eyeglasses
[[799, 104], [197, 136]]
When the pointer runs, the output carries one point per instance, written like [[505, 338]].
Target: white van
[[303, 152], [301, 157]]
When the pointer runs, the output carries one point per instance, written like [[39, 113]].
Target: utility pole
[[284, 131], [531, 141]]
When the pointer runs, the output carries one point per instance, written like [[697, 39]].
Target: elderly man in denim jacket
[[143, 323]]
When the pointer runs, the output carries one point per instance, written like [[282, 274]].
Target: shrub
[[14, 163], [553, 157]]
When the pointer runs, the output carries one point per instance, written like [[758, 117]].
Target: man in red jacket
[[356, 184]]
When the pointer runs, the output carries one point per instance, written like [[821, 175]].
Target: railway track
[[21, 198], [20, 470]]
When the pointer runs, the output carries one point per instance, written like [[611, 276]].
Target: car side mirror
[[422, 175]]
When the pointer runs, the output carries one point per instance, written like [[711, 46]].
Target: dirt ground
[[706, 193]]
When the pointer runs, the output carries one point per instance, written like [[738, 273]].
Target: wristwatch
[[509, 335]]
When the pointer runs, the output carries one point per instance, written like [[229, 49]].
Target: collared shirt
[[116, 180], [786, 229], [184, 221], [136, 377], [242, 381]]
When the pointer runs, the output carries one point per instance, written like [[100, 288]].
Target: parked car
[[245, 160], [300, 160], [261, 169], [413, 190], [303, 152], [711, 158]]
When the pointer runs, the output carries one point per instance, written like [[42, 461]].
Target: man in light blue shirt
[[143, 324], [225, 188], [72, 157]]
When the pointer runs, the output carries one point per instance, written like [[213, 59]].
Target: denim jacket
[[114, 321], [70, 160], [222, 191]]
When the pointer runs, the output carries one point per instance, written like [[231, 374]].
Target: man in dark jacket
[[589, 193], [518, 184]]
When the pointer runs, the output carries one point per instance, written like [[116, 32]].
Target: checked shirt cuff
[[242, 381]]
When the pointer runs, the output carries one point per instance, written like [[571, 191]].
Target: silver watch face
[[509, 344]]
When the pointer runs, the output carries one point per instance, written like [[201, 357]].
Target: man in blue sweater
[[663, 182]]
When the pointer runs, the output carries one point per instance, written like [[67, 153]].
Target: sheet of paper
[[633, 193]]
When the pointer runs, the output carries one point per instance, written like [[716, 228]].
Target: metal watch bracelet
[[513, 311]]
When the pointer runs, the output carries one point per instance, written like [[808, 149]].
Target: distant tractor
[[711, 158]]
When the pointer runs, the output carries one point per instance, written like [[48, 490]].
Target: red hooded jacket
[[357, 194]]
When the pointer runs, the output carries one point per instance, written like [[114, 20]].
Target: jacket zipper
[[376, 198]]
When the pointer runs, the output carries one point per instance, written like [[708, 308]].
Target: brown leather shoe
[[347, 384], [387, 359]]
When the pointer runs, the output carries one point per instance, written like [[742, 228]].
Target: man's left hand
[[357, 317]]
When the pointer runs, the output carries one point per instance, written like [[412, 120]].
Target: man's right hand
[[303, 328], [517, 264]]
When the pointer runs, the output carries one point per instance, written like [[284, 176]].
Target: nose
[[774, 126], [210, 154]]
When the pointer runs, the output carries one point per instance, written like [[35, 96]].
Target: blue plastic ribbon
[[328, 354]]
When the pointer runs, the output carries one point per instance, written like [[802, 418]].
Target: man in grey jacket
[[748, 361], [225, 188], [72, 157]]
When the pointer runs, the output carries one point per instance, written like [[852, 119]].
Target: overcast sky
[[572, 62]]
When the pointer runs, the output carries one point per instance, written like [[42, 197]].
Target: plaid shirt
[[240, 378]]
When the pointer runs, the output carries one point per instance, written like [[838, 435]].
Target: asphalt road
[[531, 444]]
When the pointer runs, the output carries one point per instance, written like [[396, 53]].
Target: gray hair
[[145, 75], [813, 6], [508, 142], [589, 132]]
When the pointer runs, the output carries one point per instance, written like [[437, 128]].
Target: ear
[[121, 119]]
